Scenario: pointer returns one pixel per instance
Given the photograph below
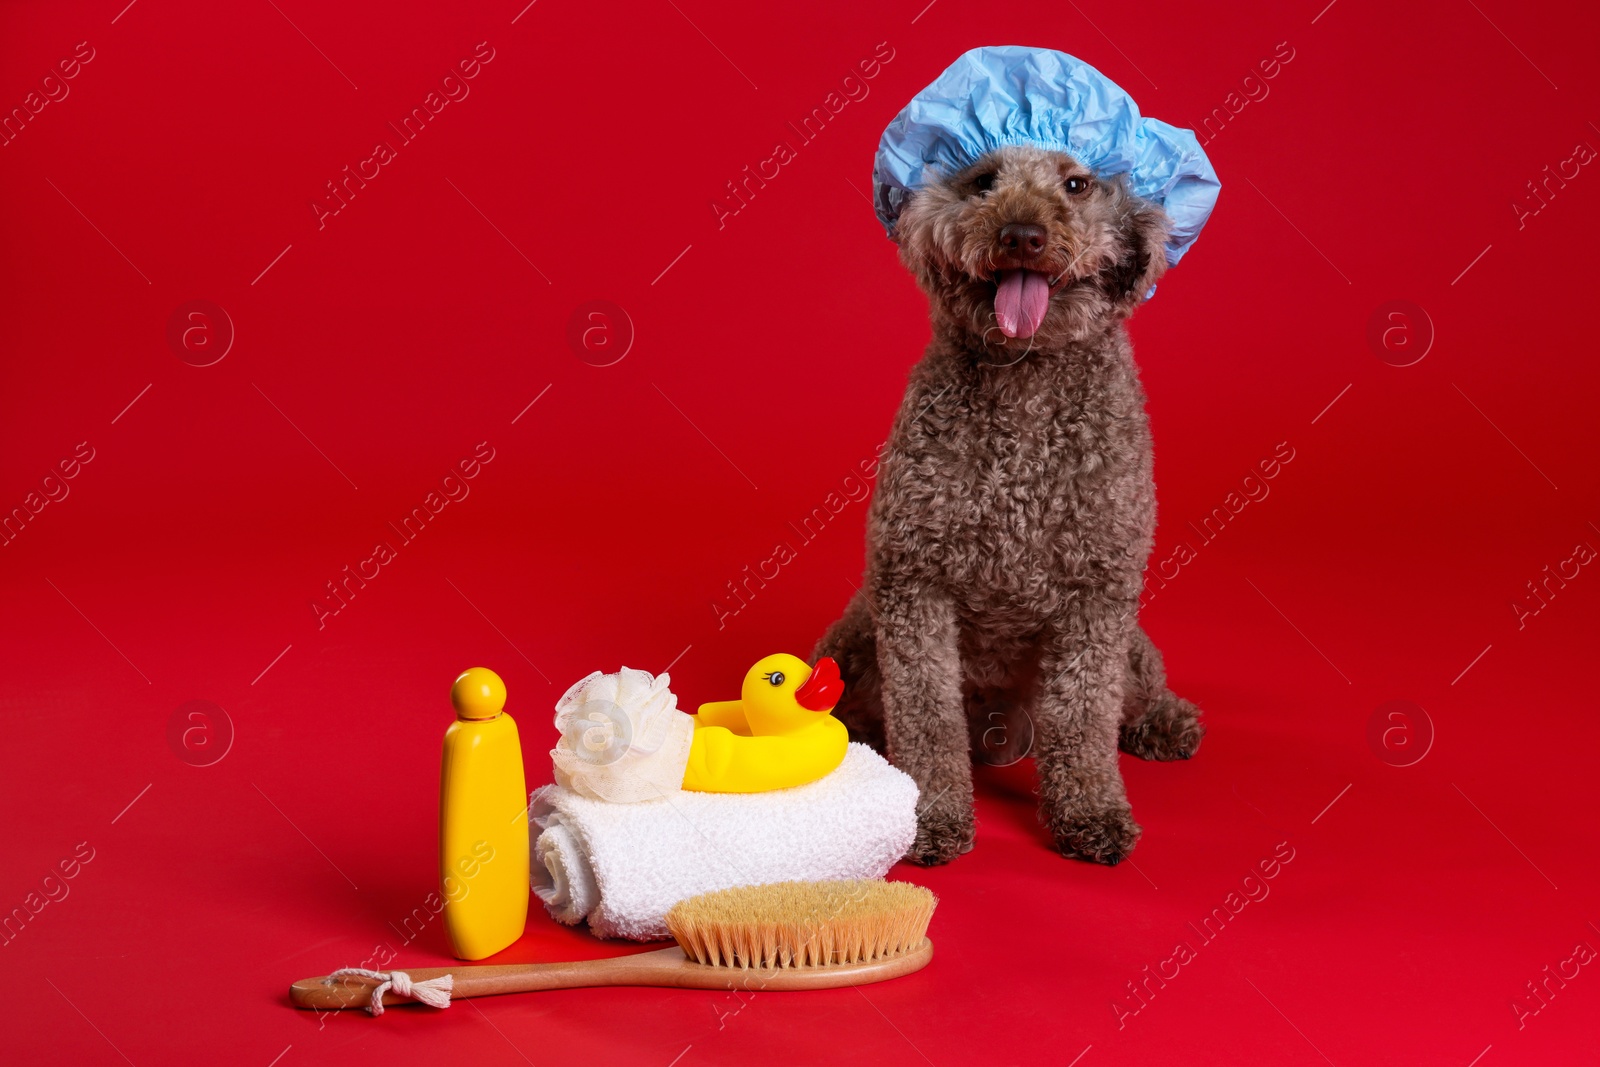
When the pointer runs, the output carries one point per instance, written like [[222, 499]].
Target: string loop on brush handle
[[434, 992]]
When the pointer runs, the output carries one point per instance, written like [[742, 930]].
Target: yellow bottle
[[483, 820]]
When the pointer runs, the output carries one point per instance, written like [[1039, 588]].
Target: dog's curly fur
[[1014, 511]]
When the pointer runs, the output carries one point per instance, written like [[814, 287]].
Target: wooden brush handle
[[663, 967]]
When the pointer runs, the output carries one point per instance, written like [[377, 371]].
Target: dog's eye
[[1077, 186], [983, 182]]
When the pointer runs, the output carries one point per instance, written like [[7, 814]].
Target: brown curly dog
[[1014, 509]]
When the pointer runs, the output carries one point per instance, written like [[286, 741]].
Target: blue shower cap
[[1009, 95]]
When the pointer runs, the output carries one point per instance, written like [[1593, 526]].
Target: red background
[[769, 356]]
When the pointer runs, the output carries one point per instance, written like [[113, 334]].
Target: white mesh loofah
[[623, 738]]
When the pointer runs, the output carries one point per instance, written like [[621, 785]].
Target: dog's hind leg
[[999, 691], [1157, 724], [853, 643], [999, 727]]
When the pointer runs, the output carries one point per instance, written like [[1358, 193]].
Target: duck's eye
[[1076, 186], [776, 677], [983, 182]]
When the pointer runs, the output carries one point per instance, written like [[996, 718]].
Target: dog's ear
[[1142, 236]]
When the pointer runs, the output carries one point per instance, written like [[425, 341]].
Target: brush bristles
[[802, 924]]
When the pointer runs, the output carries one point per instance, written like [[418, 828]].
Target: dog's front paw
[[945, 830], [1102, 837]]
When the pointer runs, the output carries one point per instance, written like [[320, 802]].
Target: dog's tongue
[[1021, 301]]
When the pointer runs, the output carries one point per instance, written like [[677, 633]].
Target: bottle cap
[[478, 694]]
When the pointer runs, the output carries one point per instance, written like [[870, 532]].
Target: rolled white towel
[[621, 866]]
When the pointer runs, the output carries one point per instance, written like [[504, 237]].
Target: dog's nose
[[1022, 240]]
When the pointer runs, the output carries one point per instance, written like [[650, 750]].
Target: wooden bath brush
[[789, 935]]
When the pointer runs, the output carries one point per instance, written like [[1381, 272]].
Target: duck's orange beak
[[822, 690]]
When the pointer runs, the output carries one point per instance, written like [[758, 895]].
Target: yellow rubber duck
[[778, 734]]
